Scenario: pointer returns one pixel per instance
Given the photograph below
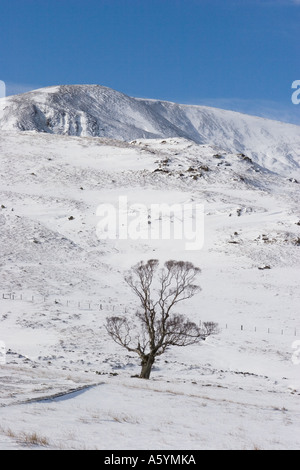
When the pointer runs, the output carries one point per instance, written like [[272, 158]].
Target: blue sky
[[234, 54]]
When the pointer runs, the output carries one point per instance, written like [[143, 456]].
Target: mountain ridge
[[98, 111]]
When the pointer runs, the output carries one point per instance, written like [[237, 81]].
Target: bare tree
[[157, 328]]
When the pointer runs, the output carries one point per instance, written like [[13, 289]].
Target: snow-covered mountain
[[60, 280], [93, 110]]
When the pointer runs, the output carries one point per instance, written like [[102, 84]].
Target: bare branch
[[156, 327], [210, 328]]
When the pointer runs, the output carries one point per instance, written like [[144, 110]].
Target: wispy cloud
[[19, 88], [284, 2], [291, 2], [274, 2], [284, 112]]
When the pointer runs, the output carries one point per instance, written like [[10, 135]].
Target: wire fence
[[284, 331], [111, 305], [80, 304]]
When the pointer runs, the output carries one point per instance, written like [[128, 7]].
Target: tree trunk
[[147, 363]]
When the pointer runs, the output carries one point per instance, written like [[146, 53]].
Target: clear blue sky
[[238, 54]]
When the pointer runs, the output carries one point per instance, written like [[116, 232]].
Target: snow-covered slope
[[92, 110], [237, 390]]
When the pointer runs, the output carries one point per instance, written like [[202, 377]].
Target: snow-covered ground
[[65, 384], [98, 111]]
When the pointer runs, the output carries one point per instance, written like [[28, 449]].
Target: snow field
[[237, 390]]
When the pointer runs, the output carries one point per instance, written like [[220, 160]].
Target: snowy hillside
[[92, 110], [237, 390]]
